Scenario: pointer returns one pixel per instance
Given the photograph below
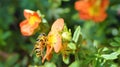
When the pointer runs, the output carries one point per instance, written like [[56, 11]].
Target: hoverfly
[[40, 44]]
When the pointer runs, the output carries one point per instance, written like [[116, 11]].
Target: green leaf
[[111, 56], [72, 46], [105, 49], [114, 44], [114, 65], [75, 64], [55, 4], [118, 51], [76, 34], [39, 13], [117, 39], [12, 59], [66, 0], [49, 64], [24, 61], [6, 34], [66, 59]]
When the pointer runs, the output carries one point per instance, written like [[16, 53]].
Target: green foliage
[[75, 64], [49, 64], [66, 59], [72, 46], [89, 44], [116, 42], [12, 60], [111, 56], [76, 34]]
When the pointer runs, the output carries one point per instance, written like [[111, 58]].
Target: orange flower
[[54, 39], [58, 25], [31, 23], [92, 9]]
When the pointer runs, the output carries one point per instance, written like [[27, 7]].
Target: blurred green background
[[15, 49]]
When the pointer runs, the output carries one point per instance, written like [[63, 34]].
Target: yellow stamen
[[32, 20]]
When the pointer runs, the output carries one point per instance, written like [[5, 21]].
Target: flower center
[[52, 39], [95, 8], [32, 20]]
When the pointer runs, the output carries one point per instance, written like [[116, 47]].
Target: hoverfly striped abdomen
[[40, 45]]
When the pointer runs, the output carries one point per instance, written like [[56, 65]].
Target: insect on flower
[[40, 44], [54, 39], [50, 42]]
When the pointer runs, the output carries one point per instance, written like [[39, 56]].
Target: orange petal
[[28, 29], [28, 13], [48, 53], [58, 25], [104, 4], [82, 5], [54, 39], [23, 23], [101, 17], [25, 28], [84, 16], [58, 43]]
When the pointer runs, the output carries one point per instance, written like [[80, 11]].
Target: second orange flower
[[92, 9], [31, 23]]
